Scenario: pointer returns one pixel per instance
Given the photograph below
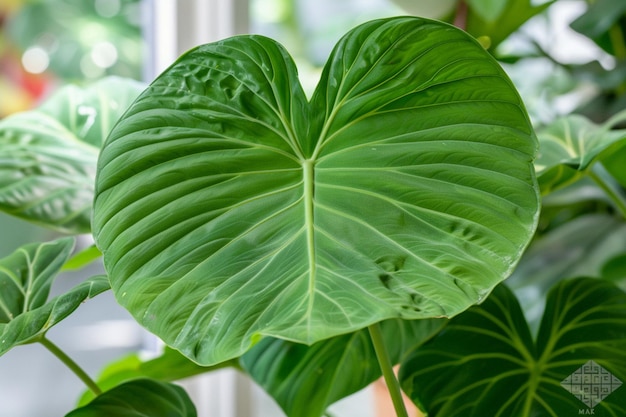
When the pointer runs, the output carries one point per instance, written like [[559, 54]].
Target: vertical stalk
[[387, 368], [74, 367]]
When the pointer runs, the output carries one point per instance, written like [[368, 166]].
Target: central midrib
[[309, 189]]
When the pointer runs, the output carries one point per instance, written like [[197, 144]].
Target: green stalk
[[387, 368], [74, 367], [619, 201]]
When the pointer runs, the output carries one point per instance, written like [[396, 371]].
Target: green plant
[[313, 243]]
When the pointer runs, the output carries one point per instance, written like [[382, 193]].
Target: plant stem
[[387, 368], [74, 367], [460, 18], [619, 201]]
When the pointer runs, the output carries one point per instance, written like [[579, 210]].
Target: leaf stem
[[615, 197], [387, 368], [73, 366]]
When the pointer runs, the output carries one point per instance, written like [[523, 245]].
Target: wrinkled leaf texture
[[229, 208]]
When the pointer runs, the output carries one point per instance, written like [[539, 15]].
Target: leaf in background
[[615, 164], [513, 15], [569, 146], [580, 247], [305, 380], [29, 326], [485, 362], [170, 366], [140, 398], [229, 208], [27, 274], [82, 258], [48, 155], [602, 17], [488, 10]]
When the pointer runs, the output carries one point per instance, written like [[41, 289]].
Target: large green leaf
[[485, 362], [48, 157], [570, 145], [140, 398], [229, 208], [305, 380], [25, 279]]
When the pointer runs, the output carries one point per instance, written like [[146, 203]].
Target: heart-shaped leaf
[[48, 160], [229, 208], [485, 362], [569, 146], [140, 398], [305, 380], [25, 279]]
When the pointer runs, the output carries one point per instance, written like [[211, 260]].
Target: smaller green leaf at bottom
[[485, 362], [140, 398], [305, 380]]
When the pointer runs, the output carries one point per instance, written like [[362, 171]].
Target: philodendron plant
[[313, 243], [230, 208]]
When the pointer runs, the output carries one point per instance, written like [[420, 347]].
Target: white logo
[[591, 383]]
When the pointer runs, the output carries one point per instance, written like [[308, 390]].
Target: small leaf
[[485, 362], [82, 258], [230, 208], [570, 146], [48, 162], [580, 247], [305, 380], [170, 366], [510, 17], [599, 19], [140, 398], [30, 325]]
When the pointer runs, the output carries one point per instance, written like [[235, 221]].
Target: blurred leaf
[[615, 164], [598, 21], [513, 15], [139, 398], [485, 362], [580, 247], [170, 366], [82, 258], [569, 146], [305, 380], [25, 280], [48, 161]]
